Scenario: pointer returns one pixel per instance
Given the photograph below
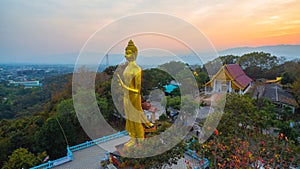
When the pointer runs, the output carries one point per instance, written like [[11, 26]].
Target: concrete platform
[[89, 158]]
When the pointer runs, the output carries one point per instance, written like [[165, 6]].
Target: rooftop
[[169, 88], [275, 93], [234, 73], [238, 75]]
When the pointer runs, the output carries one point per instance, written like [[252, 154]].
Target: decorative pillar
[[69, 153], [153, 117]]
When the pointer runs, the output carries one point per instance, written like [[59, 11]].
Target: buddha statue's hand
[[121, 83]]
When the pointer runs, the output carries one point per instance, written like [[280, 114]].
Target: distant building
[[279, 96], [173, 82], [230, 78], [26, 84], [169, 88]]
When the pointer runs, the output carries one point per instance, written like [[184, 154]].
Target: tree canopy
[[31, 118], [22, 158]]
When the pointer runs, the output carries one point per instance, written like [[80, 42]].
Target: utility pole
[[107, 62]]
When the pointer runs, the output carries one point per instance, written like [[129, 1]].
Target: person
[[136, 121]]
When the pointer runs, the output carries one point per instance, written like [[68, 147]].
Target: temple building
[[230, 78], [280, 97]]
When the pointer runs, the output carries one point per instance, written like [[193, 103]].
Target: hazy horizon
[[152, 58]]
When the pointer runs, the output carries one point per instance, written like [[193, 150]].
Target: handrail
[[54, 163], [192, 154], [70, 150], [103, 139]]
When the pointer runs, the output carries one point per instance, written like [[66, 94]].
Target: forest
[[31, 119]]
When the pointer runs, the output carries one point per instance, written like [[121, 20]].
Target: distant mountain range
[[290, 52]]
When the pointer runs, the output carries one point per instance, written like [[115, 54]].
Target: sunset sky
[[53, 27]]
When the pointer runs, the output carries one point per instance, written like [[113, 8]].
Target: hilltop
[[289, 51]]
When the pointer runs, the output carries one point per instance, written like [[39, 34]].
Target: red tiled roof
[[238, 75]]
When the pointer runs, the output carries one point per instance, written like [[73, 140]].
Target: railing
[[70, 150], [54, 163], [98, 141], [203, 162]]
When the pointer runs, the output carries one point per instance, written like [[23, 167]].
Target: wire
[[62, 131]]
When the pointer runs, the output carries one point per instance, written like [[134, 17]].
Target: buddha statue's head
[[131, 51]]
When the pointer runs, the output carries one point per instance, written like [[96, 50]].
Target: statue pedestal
[[124, 147], [121, 148], [150, 130]]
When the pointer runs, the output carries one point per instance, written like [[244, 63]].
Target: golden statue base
[[121, 149], [133, 141], [150, 130]]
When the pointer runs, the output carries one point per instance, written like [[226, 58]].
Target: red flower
[[281, 135], [216, 132]]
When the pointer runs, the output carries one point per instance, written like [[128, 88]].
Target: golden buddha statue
[[136, 121]]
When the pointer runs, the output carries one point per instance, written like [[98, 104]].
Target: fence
[[70, 150], [98, 141], [203, 163]]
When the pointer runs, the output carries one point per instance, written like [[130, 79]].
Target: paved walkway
[[89, 158]]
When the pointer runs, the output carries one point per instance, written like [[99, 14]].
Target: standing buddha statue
[[136, 121]]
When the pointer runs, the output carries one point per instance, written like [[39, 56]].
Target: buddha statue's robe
[[136, 120]]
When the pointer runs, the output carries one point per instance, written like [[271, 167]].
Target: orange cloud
[[250, 23]]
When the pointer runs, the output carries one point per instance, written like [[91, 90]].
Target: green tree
[[286, 78], [238, 141], [259, 59], [256, 63], [50, 136], [237, 119], [291, 71], [18, 133], [6, 149], [229, 59], [173, 67], [173, 102], [166, 158], [22, 158], [202, 78], [296, 89], [50, 139], [154, 78], [187, 80], [110, 70], [163, 117]]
